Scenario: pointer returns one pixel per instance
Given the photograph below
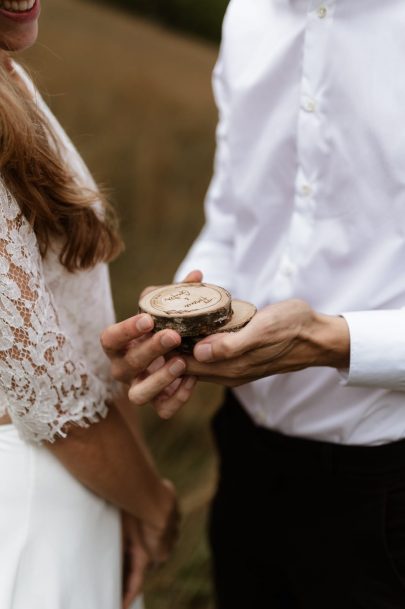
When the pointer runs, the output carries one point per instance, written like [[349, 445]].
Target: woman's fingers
[[142, 354], [166, 407], [136, 575], [137, 358], [171, 389], [116, 338], [136, 561], [144, 390], [132, 349], [157, 364], [165, 387]]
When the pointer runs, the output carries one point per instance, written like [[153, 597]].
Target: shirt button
[[306, 190], [309, 104], [322, 12], [287, 267]]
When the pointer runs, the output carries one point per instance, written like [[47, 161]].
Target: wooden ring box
[[195, 310]]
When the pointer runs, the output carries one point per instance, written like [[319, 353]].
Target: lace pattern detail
[[45, 382]]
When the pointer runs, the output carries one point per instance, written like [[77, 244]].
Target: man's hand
[[140, 359], [284, 337]]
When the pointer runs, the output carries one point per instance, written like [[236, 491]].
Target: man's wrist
[[332, 338]]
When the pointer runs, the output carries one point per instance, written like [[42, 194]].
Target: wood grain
[[192, 309]]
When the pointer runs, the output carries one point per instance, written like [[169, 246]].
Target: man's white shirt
[[308, 200]]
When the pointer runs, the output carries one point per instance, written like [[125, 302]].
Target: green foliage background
[[201, 17]]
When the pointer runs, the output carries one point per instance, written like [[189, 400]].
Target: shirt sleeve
[[377, 349], [45, 385], [212, 252]]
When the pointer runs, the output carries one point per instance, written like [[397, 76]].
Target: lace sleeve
[[45, 383]]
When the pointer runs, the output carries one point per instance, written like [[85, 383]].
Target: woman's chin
[[23, 38]]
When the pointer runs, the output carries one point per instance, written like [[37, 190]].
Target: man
[[306, 218]]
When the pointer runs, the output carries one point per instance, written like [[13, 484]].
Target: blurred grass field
[[137, 102], [202, 17]]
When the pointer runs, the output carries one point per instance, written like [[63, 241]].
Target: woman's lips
[[20, 11]]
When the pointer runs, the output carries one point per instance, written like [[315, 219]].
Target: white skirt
[[60, 545]]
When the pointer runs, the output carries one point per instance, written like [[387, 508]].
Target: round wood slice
[[243, 312], [192, 309]]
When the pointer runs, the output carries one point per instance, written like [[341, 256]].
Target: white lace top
[[52, 368]]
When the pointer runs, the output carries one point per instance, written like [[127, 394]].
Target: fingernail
[[144, 323], [168, 341], [177, 367], [164, 413], [203, 353], [190, 382]]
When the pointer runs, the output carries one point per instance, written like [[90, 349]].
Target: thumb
[[219, 347], [227, 345], [193, 277]]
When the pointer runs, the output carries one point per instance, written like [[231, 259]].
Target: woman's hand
[[159, 541], [136, 560], [140, 359], [284, 337], [146, 547]]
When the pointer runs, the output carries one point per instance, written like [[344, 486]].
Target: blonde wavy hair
[[50, 196]]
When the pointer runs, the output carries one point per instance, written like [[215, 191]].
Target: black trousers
[[298, 524]]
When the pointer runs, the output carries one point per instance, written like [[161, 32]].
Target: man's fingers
[[229, 345], [167, 407], [224, 381], [240, 369], [145, 390], [116, 337], [194, 277], [220, 347]]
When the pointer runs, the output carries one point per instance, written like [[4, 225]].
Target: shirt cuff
[[377, 349]]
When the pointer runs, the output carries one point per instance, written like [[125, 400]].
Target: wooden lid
[[192, 309]]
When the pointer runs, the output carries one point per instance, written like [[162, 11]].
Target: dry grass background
[[136, 100]]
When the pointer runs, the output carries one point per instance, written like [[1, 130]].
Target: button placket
[[310, 132], [310, 146]]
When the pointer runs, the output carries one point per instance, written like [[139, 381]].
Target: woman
[[69, 463]]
